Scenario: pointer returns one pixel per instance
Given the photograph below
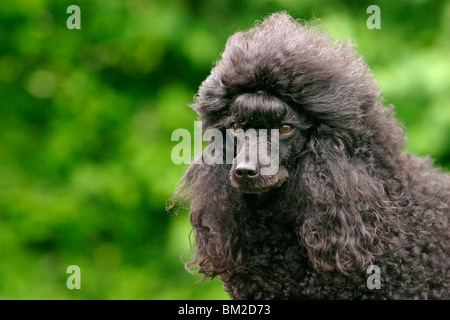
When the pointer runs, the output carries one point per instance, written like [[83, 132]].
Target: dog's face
[[263, 163]]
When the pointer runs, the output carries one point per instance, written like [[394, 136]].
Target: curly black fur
[[349, 197]]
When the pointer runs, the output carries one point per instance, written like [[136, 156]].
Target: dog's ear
[[207, 189], [342, 206]]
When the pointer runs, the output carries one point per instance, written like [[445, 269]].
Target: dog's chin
[[260, 184], [249, 190]]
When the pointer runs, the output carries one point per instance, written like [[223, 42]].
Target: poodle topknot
[[347, 215]]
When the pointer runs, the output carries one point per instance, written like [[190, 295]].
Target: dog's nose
[[246, 170]]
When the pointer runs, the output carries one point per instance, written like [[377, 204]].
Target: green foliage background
[[86, 118]]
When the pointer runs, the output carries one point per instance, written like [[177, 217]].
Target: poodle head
[[282, 75], [330, 128]]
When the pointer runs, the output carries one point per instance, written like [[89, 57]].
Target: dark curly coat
[[349, 197]]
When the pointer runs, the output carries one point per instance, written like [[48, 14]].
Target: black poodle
[[347, 215]]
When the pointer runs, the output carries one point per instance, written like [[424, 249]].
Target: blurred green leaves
[[86, 118]]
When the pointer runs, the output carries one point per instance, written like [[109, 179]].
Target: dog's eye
[[285, 128], [236, 128]]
